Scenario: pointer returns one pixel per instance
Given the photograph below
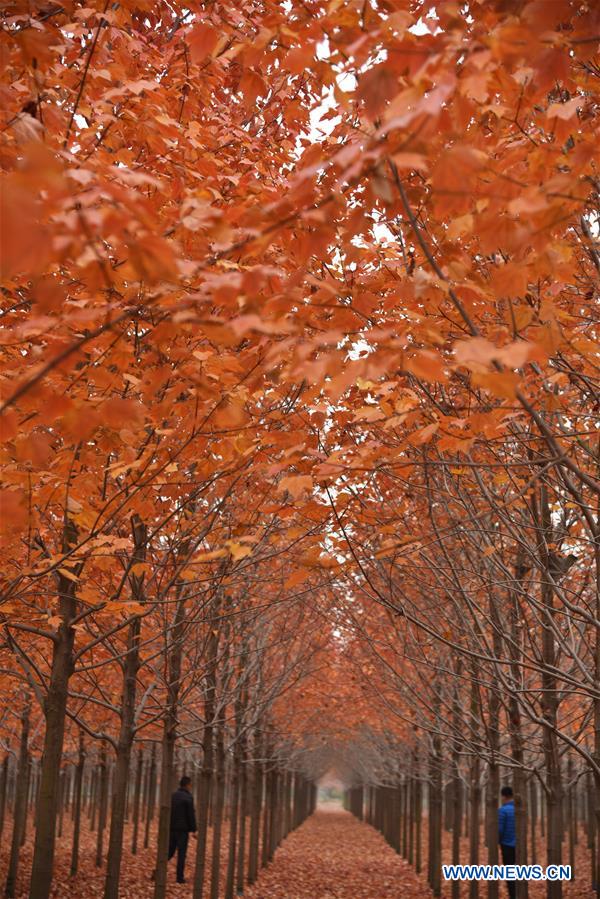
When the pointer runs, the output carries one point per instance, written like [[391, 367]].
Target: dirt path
[[334, 856]]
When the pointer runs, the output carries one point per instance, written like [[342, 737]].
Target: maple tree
[[300, 448]]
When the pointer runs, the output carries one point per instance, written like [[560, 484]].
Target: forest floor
[[334, 856], [331, 856]]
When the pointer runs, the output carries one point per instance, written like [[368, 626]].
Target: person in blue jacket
[[507, 834]]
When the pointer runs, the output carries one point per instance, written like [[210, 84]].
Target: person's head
[[507, 794], [185, 783]]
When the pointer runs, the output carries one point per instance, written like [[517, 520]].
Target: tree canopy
[[300, 389]]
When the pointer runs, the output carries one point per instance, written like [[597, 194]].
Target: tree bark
[[130, 667], [151, 802], [255, 810], [266, 822], [219, 799], [137, 796], [474, 778], [435, 816], [549, 703], [493, 784], [77, 806], [3, 789], [168, 746], [55, 710], [20, 806], [102, 799], [241, 861], [233, 827], [456, 783], [206, 775]]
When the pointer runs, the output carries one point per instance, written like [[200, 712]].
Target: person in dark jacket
[[183, 822], [507, 834]]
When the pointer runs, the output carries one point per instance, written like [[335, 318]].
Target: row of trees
[[201, 687], [300, 412], [252, 804], [485, 647], [413, 811]]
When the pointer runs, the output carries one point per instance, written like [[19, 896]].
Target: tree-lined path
[[299, 440], [334, 856]]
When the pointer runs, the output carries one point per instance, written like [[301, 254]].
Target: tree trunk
[[241, 861], [137, 796], [533, 818], [233, 828], [77, 806], [55, 709], [168, 747], [127, 725], [456, 783], [62, 795], [3, 789], [20, 806], [219, 800], [474, 778], [266, 822], [102, 805], [493, 784], [94, 799], [418, 824], [549, 704], [571, 819], [515, 724], [596, 792], [30, 802], [206, 776], [435, 816], [491, 797], [255, 811], [151, 796], [273, 814]]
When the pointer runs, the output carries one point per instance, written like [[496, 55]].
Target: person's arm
[[191, 815], [501, 823]]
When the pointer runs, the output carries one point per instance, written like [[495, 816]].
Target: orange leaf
[[252, 86], [502, 384], [13, 510], [423, 435], [202, 40], [296, 485], [427, 365]]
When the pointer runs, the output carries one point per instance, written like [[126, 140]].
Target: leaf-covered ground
[[331, 856], [334, 856]]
